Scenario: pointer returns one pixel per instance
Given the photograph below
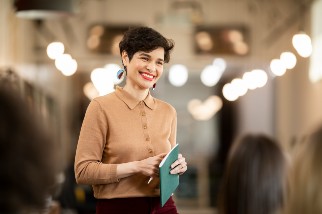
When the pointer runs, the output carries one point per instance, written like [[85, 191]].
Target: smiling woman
[[126, 134], [147, 69]]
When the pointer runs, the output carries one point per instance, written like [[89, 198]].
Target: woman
[[126, 134], [305, 186], [254, 180]]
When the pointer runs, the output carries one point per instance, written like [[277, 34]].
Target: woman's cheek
[[160, 72], [140, 65]]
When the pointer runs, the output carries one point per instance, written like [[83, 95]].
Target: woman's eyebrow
[[147, 55]]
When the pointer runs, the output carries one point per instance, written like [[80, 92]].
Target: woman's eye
[[160, 63]]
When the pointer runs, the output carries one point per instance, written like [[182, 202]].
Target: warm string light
[[63, 62], [178, 75], [211, 74], [204, 110], [238, 87], [302, 44]]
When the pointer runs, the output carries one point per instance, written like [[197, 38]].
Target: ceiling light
[[41, 9]]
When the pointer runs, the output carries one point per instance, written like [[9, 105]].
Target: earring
[[120, 73], [154, 86]]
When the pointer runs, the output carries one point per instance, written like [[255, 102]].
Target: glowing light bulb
[[302, 44], [178, 75], [55, 49]]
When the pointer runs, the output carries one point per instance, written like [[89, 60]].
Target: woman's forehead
[[156, 53]]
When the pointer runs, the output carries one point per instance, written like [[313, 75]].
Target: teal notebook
[[168, 182]]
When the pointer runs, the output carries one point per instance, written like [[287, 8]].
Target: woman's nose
[[151, 67]]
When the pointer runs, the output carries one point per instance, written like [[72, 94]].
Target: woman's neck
[[139, 94]]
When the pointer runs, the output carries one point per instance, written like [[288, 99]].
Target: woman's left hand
[[179, 166]]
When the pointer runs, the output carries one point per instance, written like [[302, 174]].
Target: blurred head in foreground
[[254, 179], [305, 186], [27, 156]]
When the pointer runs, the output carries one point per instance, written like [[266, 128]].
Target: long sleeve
[[173, 134], [89, 168]]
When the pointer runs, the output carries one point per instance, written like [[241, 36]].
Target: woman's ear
[[125, 58]]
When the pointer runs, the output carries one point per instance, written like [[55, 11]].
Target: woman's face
[[145, 68]]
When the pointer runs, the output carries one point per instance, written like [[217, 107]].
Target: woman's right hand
[[150, 166]]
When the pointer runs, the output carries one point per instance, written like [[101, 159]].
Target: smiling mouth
[[147, 76]]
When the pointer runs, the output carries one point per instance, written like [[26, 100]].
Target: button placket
[[145, 128]]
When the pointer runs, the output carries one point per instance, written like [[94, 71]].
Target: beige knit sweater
[[116, 129]]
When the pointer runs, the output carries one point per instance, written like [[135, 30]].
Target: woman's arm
[[148, 167], [92, 139]]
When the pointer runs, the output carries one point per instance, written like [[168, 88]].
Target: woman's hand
[[150, 166], [179, 166]]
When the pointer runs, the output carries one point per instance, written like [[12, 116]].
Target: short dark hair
[[254, 178], [145, 39]]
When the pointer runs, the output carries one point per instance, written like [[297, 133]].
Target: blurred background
[[238, 66]]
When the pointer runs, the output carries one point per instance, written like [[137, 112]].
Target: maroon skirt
[[142, 205]]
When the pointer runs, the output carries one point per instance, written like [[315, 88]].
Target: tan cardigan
[[116, 129]]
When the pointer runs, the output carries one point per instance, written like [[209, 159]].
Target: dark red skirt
[[143, 205]]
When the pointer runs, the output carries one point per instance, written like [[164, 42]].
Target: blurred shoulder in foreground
[[305, 177], [28, 163]]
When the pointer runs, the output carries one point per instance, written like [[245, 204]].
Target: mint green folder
[[168, 182]]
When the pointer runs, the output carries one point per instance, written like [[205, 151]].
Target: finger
[[182, 160], [156, 172], [175, 164], [178, 162], [178, 170], [162, 155], [183, 170], [174, 171]]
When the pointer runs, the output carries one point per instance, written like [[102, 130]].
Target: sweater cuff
[[110, 173]]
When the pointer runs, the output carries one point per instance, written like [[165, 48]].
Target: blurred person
[[255, 177], [27, 156], [126, 134], [305, 177]]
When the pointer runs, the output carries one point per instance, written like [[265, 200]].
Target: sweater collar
[[131, 102]]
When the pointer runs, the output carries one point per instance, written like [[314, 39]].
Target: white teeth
[[148, 76]]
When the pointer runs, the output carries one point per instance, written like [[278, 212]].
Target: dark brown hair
[[27, 156], [145, 39], [254, 179]]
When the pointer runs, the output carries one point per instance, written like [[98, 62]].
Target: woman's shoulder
[[164, 105], [107, 99]]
